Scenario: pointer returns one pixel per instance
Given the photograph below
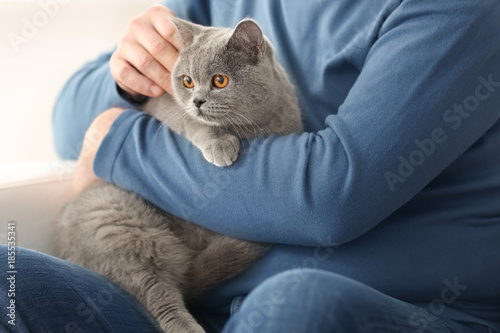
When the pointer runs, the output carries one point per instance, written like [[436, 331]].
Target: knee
[[310, 284], [298, 300]]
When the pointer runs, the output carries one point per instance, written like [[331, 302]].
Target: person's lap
[[52, 295], [307, 300]]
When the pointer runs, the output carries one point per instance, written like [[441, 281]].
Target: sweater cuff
[[136, 100], [117, 98], [112, 143]]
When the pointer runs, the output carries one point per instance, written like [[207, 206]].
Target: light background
[[30, 80]]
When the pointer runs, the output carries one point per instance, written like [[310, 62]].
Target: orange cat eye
[[188, 81], [220, 81]]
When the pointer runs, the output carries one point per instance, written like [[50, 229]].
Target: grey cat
[[228, 86]]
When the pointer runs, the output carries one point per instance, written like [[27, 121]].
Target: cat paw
[[222, 151], [181, 323]]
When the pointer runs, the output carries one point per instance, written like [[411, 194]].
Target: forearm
[[88, 93]]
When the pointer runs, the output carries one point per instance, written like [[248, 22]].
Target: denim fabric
[[52, 295], [314, 301]]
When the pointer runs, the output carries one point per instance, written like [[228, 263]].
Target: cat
[[228, 86]]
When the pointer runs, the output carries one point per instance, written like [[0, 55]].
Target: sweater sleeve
[[429, 88], [89, 92]]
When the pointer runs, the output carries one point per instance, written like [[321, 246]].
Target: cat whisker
[[212, 112], [177, 116], [233, 124], [250, 122], [162, 124], [257, 130], [240, 130], [180, 115]]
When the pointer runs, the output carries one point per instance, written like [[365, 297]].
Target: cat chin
[[205, 118]]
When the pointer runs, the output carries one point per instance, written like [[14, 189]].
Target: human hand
[[85, 176], [145, 56]]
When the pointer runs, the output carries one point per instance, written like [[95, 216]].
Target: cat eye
[[188, 81], [220, 81]]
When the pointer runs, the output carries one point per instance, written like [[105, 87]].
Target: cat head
[[224, 76]]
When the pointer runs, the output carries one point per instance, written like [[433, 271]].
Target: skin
[[141, 65], [85, 176], [145, 56]]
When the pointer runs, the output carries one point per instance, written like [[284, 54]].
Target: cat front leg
[[217, 145], [221, 151]]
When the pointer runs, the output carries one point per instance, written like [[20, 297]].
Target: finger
[[164, 26], [164, 52], [130, 80], [168, 86], [145, 64]]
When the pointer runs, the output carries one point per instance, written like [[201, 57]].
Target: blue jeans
[[46, 294]]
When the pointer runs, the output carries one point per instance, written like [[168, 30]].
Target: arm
[[88, 93], [297, 189]]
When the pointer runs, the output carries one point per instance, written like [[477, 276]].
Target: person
[[384, 214]]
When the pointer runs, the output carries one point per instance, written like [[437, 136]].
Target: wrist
[[134, 99]]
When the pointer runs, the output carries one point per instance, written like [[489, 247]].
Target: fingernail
[[156, 91]]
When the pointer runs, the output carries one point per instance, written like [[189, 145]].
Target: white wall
[[33, 71]]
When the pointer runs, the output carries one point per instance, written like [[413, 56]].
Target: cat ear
[[186, 30], [247, 40]]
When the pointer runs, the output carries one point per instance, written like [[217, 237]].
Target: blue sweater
[[396, 182]]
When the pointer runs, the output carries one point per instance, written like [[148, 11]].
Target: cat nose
[[198, 102]]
